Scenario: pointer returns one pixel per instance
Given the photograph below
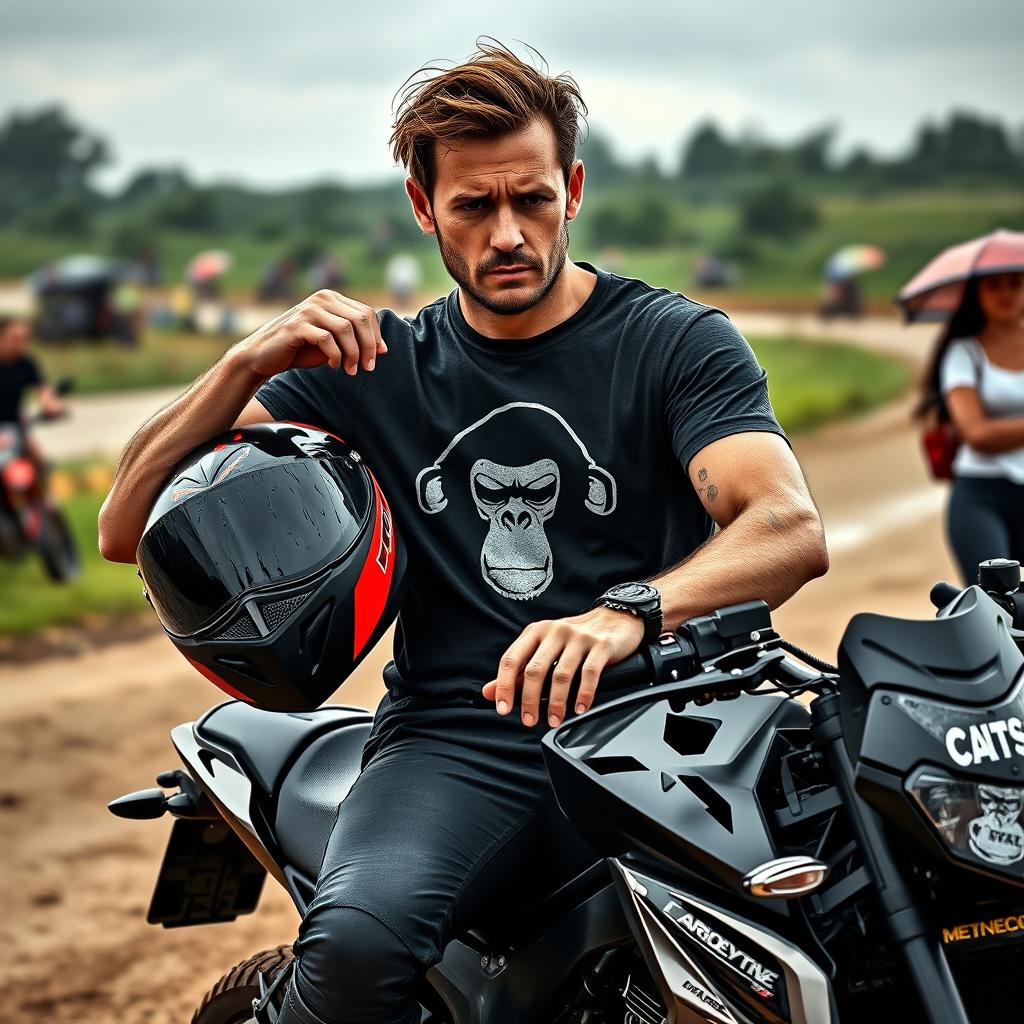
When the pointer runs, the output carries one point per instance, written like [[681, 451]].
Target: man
[[544, 432], [20, 374]]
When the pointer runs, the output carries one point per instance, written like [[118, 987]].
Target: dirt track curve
[[77, 731]]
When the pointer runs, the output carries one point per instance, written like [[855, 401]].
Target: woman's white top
[[1001, 393]]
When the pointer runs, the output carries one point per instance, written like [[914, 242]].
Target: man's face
[[13, 341], [500, 204]]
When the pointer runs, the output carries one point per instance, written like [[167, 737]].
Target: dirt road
[[79, 731]]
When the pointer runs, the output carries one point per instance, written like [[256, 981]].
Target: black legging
[[452, 822], [985, 519]]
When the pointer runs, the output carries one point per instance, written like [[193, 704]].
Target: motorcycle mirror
[[146, 803]]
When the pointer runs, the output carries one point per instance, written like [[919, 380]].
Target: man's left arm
[[769, 543]]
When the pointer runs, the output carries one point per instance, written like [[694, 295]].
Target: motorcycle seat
[[309, 795]]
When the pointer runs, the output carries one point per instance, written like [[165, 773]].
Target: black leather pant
[[451, 823]]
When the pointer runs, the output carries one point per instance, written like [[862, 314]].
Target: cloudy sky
[[293, 90]]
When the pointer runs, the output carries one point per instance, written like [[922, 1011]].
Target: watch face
[[633, 592]]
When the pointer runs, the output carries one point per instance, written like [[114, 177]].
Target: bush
[[777, 210]]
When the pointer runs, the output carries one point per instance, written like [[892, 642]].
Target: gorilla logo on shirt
[[513, 467]]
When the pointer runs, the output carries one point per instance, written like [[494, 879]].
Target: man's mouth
[[510, 271]]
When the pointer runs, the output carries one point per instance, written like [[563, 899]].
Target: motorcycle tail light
[[19, 475], [977, 822]]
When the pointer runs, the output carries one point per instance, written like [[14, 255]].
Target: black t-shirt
[[15, 377], [528, 476]]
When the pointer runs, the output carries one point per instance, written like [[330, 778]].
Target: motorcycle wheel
[[230, 1000], [58, 548]]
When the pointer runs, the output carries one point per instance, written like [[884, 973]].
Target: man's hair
[[493, 93]]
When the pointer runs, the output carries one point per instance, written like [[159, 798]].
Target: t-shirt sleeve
[[714, 387], [959, 367], [320, 396]]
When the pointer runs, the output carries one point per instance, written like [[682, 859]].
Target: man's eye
[[473, 205], [535, 200]]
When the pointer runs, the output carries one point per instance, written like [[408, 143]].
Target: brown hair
[[493, 93]]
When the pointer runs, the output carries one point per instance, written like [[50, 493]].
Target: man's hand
[[325, 328], [591, 641]]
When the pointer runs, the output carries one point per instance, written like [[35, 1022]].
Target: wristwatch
[[639, 599]]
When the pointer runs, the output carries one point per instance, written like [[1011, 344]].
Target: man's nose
[[505, 235]]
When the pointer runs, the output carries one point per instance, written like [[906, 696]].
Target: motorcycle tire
[[58, 548], [230, 1000]]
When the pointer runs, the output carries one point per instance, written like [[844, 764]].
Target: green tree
[[45, 155], [708, 153], [777, 210]]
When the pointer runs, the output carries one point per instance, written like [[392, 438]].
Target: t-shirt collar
[[521, 346]]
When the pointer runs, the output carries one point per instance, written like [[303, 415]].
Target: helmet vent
[[243, 628], [275, 612], [244, 667], [314, 635]]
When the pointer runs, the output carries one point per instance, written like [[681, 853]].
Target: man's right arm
[[325, 328]]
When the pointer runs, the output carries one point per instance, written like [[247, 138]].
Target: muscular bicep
[[736, 471], [254, 412]]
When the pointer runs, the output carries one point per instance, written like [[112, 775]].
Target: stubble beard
[[505, 305]]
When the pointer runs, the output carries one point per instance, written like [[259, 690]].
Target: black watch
[[639, 599]]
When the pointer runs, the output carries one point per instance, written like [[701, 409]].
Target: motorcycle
[[765, 859], [29, 518]]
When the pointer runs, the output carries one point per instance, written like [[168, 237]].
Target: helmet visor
[[258, 530]]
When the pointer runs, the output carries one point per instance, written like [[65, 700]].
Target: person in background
[[977, 376], [20, 373]]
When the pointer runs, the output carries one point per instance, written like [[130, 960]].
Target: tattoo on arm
[[711, 490]]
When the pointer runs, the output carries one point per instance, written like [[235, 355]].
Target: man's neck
[[571, 289]]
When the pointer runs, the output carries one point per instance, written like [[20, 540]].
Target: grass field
[[810, 384]]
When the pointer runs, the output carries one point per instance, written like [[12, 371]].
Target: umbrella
[[852, 260], [935, 292], [208, 265]]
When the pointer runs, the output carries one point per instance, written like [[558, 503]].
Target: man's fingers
[[535, 674], [595, 664], [322, 339], [358, 343], [510, 668], [561, 679], [364, 320]]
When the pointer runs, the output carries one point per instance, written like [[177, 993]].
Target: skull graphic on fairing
[[997, 835], [517, 498]]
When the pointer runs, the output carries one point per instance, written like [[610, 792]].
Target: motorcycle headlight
[[978, 823]]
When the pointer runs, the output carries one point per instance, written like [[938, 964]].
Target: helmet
[[272, 562]]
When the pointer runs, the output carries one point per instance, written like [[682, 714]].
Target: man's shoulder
[[423, 324], [659, 309]]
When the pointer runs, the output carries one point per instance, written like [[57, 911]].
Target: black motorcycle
[[765, 861], [30, 520]]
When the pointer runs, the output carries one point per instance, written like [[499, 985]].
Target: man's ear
[[574, 190], [421, 207]]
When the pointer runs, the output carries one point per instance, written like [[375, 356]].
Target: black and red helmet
[[273, 564]]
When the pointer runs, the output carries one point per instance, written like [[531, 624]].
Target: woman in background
[[977, 378]]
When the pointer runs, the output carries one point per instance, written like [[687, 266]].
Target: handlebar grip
[[632, 671]]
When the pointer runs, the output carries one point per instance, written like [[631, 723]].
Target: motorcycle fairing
[[714, 965], [635, 774]]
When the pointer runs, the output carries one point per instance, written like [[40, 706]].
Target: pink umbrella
[[208, 265], [935, 292]]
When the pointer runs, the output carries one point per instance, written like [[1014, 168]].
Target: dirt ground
[[78, 731]]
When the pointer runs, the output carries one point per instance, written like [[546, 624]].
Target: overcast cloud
[[274, 93]]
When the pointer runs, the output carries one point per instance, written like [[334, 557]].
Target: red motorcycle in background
[[29, 518]]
